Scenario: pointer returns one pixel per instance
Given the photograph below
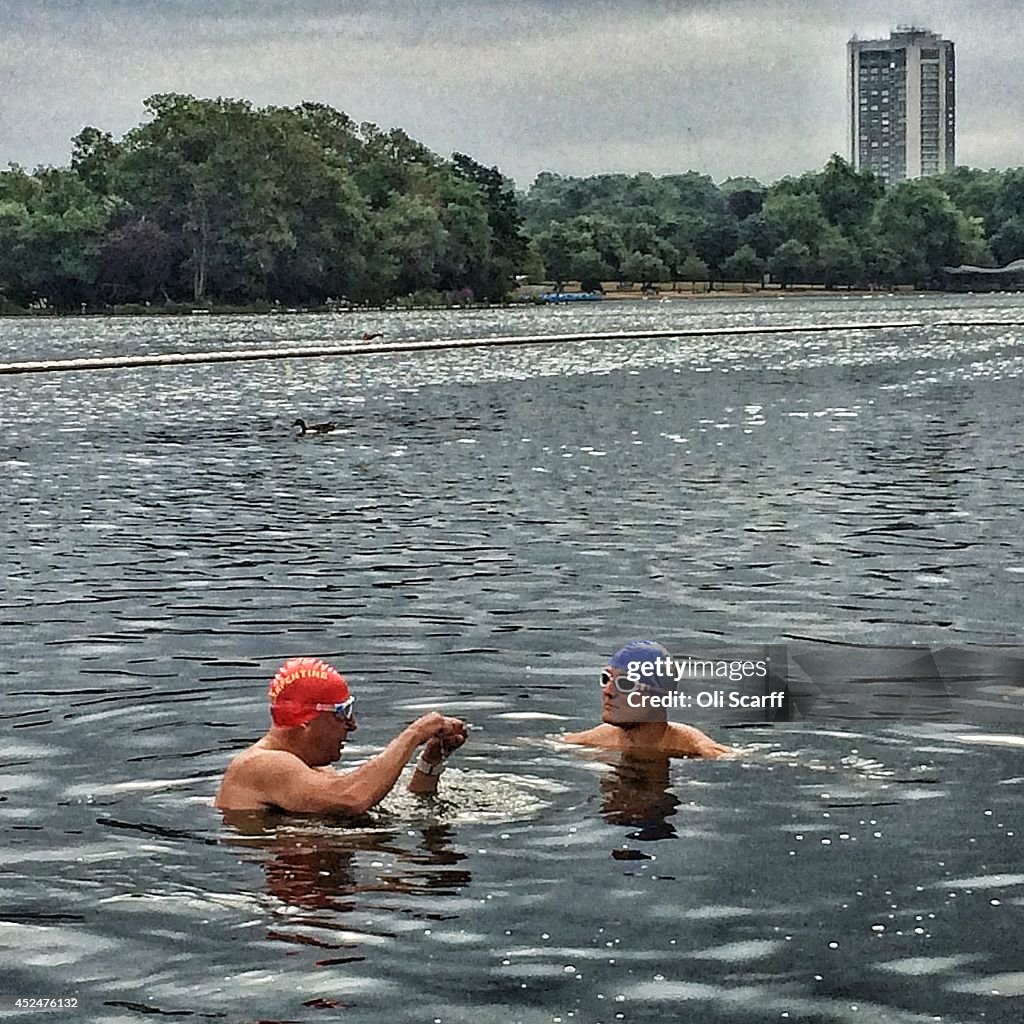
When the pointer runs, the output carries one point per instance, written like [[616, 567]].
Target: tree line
[[214, 201], [839, 226]]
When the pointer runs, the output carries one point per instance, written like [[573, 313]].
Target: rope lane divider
[[361, 348]]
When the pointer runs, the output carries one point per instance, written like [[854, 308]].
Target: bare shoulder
[[604, 735], [256, 777], [686, 741], [257, 760]]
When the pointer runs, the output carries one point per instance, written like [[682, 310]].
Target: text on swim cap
[[317, 671]]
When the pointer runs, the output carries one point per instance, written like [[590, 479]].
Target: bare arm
[[284, 780]]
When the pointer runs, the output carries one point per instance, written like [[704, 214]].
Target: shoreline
[[614, 295], [752, 291]]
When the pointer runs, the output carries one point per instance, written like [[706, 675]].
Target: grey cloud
[[737, 87]]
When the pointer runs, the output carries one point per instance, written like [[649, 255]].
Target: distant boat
[[570, 297]]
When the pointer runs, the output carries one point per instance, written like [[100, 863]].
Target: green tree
[[918, 222], [259, 203], [507, 242], [591, 269], [217, 200], [392, 163], [625, 199], [334, 134], [977, 193], [681, 230], [790, 263], [880, 261], [743, 265], [94, 159], [715, 241], [744, 197], [693, 269], [1005, 218], [847, 196], [533, 265], [413, 240], [51, 227], [745, 203], [839, 260], [1008, 242], [554, 249], [796, 217], [561, 242], [327, 248], [467, 254], [645, 268], [643, 236], [762, 236], [193, 169]]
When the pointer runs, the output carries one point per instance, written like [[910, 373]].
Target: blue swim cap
[[638, 652]]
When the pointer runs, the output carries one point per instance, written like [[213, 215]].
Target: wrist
[[426, 767]]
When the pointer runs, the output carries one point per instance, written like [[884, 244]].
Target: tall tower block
[[902, 100]]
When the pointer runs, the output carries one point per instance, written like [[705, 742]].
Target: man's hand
[[453, 735], [427, 726], [450, 736], [433, 725], [439, 747]]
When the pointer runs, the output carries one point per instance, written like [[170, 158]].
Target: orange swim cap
[[301, 684]]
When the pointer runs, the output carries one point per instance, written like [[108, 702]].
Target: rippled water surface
[[483, 528]]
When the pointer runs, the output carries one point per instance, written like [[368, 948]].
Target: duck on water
[[314, 428]]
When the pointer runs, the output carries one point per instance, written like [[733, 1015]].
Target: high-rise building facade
[[902, 94]]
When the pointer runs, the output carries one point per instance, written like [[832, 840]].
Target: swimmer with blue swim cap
[[634, 688], [632, 659]]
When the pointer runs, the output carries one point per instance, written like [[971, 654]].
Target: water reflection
[[321, 866], [636, 793]]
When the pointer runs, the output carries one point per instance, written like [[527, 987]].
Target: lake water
[[481, 531]]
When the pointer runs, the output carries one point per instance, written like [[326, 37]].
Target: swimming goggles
[[626, 685], [622, 683], [343, 712]]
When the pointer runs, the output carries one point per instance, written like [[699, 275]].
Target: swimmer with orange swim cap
[[638, 728], [312, 713]]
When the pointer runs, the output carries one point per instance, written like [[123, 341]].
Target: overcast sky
[[735, 87]]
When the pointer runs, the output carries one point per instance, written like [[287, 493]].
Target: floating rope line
[[359, 348]]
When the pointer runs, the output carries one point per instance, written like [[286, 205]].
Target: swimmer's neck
[[283, 739], [642, 734]]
